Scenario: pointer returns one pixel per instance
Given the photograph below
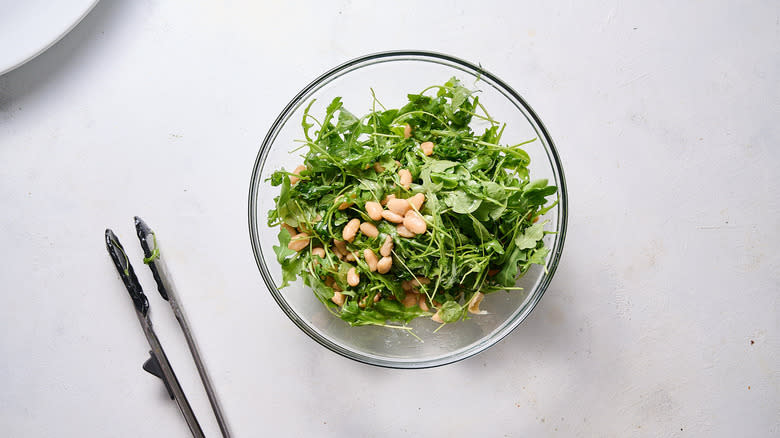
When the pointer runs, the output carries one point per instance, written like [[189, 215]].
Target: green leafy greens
[[481, 208]]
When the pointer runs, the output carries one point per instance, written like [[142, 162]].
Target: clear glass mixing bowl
[[392, 75]]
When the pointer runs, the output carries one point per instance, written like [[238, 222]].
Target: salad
[[408, 212]]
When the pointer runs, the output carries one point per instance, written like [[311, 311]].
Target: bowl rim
[[499, 333]]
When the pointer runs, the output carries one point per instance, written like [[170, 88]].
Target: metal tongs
[[158, 364]]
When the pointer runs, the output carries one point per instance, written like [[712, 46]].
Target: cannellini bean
[[297, 171], [416, 201], [343, 202], [414, 222], [387, 199], [419, 281], [437, 318], [474, 303], [377, 297], [371, 259], [369, 230], [318, 251], [392, 217], [338, 252], [387, 247], [338, 298], [374, 210], [384, 265], [422, 303], [298, 242], [403, 231], [410, 300], [427, 148], [412, 285], [350, 230], [398, 206], [407, 131], [289, 229], [378, 167], [350, 257], [405, 178], [353, 278], [341, 245]]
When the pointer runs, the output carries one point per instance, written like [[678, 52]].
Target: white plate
[[28, 27]]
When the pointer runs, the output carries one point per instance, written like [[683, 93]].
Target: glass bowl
[[392, 75]]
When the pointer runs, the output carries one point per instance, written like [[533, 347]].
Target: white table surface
[[662, 319]]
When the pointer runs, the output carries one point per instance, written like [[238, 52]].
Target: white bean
[[350, 230], [387, 199], [297, 171], [417, 201], [374, 210], [407, 131], [410, 300], [414, 222], [289, 229], [398, 206], [353, 278], [378, 167], [384, 265], [392, 217], [318, 251], [437, 318], [427, 148], [298, 242], [387, 247], [403, 231], [422, 303], [371, 259], [419, 281], [369, 230], [474, 303], [405, 178], [338, 298], [343, 202]]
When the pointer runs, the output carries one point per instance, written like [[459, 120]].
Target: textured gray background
[[662, 318]]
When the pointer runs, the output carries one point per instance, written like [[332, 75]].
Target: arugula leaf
[[395, 311], [507, 275], [450, 311], [304, 122], [347, 121], [291, 265], [532, 234], [461, 202], [539, 256], [352, 314]]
